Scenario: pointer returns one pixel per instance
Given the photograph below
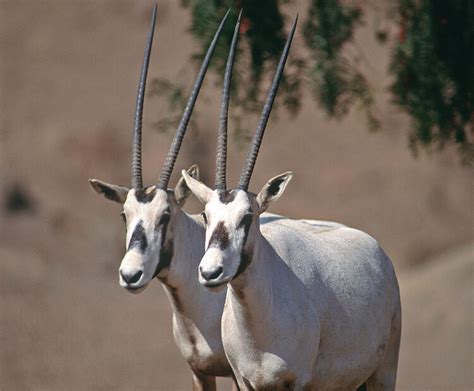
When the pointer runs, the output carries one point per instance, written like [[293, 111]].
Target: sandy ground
[[68, 73]]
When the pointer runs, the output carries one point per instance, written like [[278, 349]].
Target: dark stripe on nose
[[138, 240], [220, 237]]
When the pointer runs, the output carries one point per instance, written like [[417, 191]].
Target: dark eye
[[203, 214], [246, 220], [124, 217], [165, 219]]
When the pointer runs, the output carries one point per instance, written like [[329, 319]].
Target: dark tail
[[363, 387]]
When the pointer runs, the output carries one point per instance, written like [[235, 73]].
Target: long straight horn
[[137, 181], [183, 124], [221, 154], [257, 139]]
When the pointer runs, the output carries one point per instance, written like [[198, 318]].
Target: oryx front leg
[[203, 383]]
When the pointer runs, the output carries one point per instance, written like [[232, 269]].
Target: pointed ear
[[200, 190], [112, 192], [273, 190], [182, 191]]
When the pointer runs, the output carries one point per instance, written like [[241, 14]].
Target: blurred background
[[375, 118]]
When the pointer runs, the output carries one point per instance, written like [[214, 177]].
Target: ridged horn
[[221, 154], [183, 124], [137, 181], [249, 165]]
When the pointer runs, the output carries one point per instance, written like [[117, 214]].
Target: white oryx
[[309, 305], [165, 242]]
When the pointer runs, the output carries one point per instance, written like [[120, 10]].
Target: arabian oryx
[[310, 305], [163, 241]]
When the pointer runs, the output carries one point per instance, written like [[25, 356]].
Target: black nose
[[212, 274], [132, 277]]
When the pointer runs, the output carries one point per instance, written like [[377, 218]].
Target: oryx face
[[149, 216], [232, 226], [229, 217]]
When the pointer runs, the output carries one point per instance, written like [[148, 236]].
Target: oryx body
[[165, 242], [317, 306], [310, 305]]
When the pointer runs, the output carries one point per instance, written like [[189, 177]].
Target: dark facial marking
[[108, 192], [275, 187], [166, 248], [143, 196], [220, 237], [163, 223], [166, 255], [245, 259], [246, 221], [165, 219], [247, 253], [226, 196], [138, 240]]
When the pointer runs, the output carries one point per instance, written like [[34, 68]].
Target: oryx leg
[[384, 378], [203, 383], [235, 385]]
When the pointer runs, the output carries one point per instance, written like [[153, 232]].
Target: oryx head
[[232, 216], [148, 211]]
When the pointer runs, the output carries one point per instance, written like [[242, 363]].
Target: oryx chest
[[202, 349], [196, 330], [266, 357]]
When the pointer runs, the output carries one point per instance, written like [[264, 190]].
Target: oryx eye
[[165, 219], [203, 215], [246, 220], [123, 216]]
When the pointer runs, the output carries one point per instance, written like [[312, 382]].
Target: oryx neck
[[256, 280], [188, 248]]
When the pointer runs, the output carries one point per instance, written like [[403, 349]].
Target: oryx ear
[[273, 189], [182, 191], [200, 190], [112, 192]]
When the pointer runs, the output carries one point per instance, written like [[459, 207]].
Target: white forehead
[[156, 205], [228, 211]]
